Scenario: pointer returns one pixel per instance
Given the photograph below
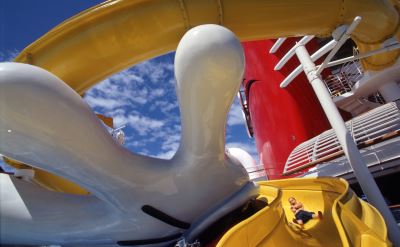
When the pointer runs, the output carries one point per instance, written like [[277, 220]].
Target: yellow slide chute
[[347, 220], [117, 34]]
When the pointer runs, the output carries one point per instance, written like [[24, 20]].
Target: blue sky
[[142, 97]]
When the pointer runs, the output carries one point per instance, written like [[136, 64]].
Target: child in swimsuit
[[302, 216]]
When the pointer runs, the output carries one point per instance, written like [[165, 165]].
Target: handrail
[[277, 45], [292, 51], [342, 39], [314, 57], [375, 126], [344, 80]]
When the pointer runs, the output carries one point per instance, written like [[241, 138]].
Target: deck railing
[[369, 128], [344, 79]]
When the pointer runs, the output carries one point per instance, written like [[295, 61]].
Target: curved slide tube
[[347, 220], [120, 33]]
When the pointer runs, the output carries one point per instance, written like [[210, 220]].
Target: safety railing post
[[361, 172]]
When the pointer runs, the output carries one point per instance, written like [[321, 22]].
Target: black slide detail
[[152, 211], [149, 241]]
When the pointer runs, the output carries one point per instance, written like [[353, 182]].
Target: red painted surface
[[281, 118]]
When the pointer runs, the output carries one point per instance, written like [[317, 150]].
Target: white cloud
[[106, 103], [165, 106], [158, 92], [143, 125], [235, 116], [8, 56], [119, 120], [128, 76], [156, 71], [166, 155], [172, 141], [149, 111], [119, 90], [131, 87]]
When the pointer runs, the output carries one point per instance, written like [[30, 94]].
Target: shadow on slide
[[347, 220]]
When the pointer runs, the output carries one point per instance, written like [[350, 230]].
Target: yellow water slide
[[117, 34], [347, 220]]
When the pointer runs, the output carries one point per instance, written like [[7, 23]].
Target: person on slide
[[302, 216]]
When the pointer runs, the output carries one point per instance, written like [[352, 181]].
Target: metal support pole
[[364, 177], [339, 43], [387, 48]]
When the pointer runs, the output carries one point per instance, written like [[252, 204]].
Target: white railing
[[277, 45], [257, 172], [371, 127], [344, 79]]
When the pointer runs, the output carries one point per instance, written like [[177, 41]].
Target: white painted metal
[[365, 87], [364, 177], [340, 42], [119, 136], [255, 171], [374, 81], [371, 125], [46, 124], [343, 80], [277, 45], [318, 54], [381, 159], [390, 47], [291, 52]]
